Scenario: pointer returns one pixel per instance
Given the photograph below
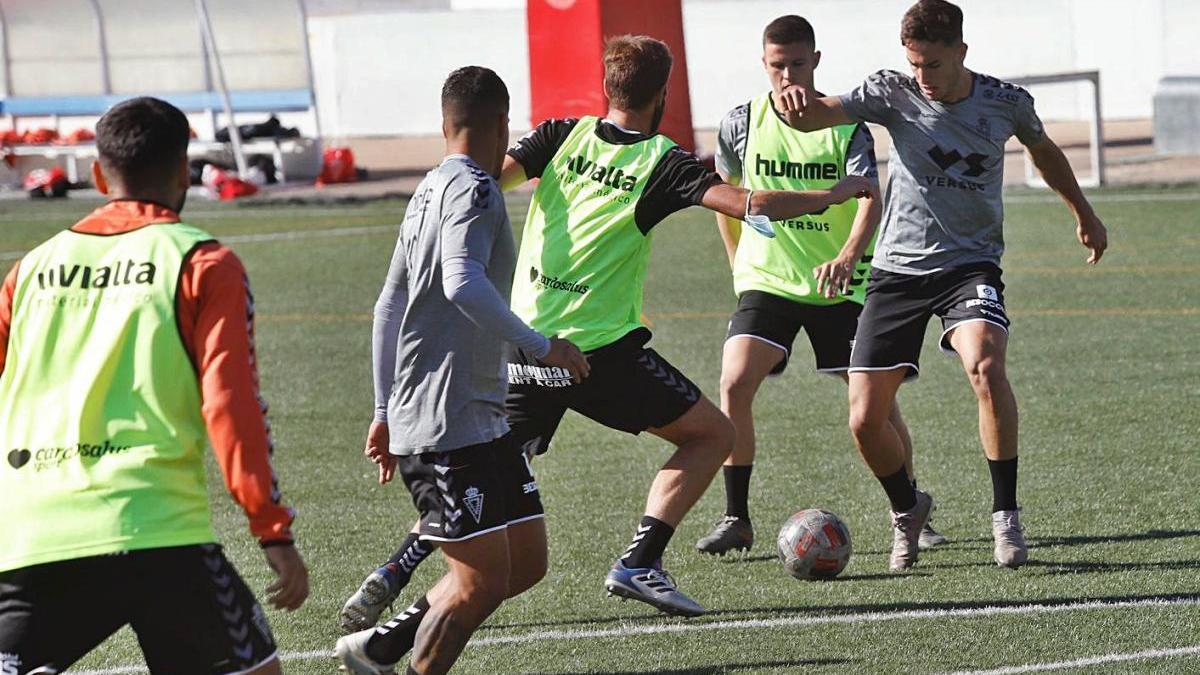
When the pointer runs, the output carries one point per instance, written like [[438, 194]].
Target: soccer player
[[605, 184], [940, 252], [122, 341], [440, 328], [812, 275]]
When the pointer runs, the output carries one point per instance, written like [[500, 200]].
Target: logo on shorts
[[474, 500], [987, 292], [10, 664]]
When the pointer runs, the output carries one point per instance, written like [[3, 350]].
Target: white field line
[[274, 236], [672, 628], [1089, 661]]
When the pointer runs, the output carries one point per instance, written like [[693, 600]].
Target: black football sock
[[737, 491], [410, 554], [649, 542], [1004, 484], [391, 641], [900, 491]]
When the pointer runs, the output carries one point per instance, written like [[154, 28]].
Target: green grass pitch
[[1105, 362]]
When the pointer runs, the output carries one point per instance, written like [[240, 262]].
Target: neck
[[962, 88], [641, 121], [472, 146], [169, 200]]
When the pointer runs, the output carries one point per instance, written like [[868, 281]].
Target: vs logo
[[945, 160]]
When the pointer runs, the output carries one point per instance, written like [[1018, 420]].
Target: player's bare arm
[[738, 202], [1057, 173], [810, 113], [512, 174], [730, 229], [833, 277]]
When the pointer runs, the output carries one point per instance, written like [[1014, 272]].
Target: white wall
[[380, 73]]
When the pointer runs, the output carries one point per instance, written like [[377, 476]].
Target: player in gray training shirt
[[939, 252], [440, 384]]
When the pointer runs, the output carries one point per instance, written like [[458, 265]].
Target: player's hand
[[1092, 234], [793, 101], [793, 98], [376, 450], [291, 588], [833, 277], [851, 187], [564, 354]]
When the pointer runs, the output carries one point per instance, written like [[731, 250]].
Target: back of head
[[636, 68], [932, 21], [142, 142], [789, 29], [473, 96]]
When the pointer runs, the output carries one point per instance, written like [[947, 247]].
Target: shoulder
[[892, 79], [464, 180], [737, 118], [555, 127], [1004, 93]]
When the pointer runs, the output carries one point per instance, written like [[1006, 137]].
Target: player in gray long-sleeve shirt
[[440, 376], [939, 252]]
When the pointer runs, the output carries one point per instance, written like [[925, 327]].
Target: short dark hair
[[636, 68], [788, 30], [932, 21], [142, 140], [473, 95]]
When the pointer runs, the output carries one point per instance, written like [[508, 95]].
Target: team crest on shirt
[[474, 501], [987, 292]]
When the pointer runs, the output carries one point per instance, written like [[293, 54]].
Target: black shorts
[[630, 388], [899, 306], [191, 612], [470, 491], [776, 321]]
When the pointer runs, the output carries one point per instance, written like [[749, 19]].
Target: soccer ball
[[814, 544]]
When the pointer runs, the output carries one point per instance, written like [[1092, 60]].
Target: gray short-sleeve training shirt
[[942, 206]]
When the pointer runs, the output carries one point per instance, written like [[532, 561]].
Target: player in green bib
[[125, 341], [811, 276], [605, 183]]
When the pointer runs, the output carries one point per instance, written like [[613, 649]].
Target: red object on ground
[[233, 187], [567, 76], [46, 183], [337, 166], [226, 185], [41, 136], [10, 137], [80, 135]]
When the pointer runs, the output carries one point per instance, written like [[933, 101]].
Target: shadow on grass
[[718, 670], [814, 611], [969, 543], [1082, 540]]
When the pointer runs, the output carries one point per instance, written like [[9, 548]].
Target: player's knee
[[986, 375], [483, 597], [527, 574], [721, 434], [866, 422], [737, 386]]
